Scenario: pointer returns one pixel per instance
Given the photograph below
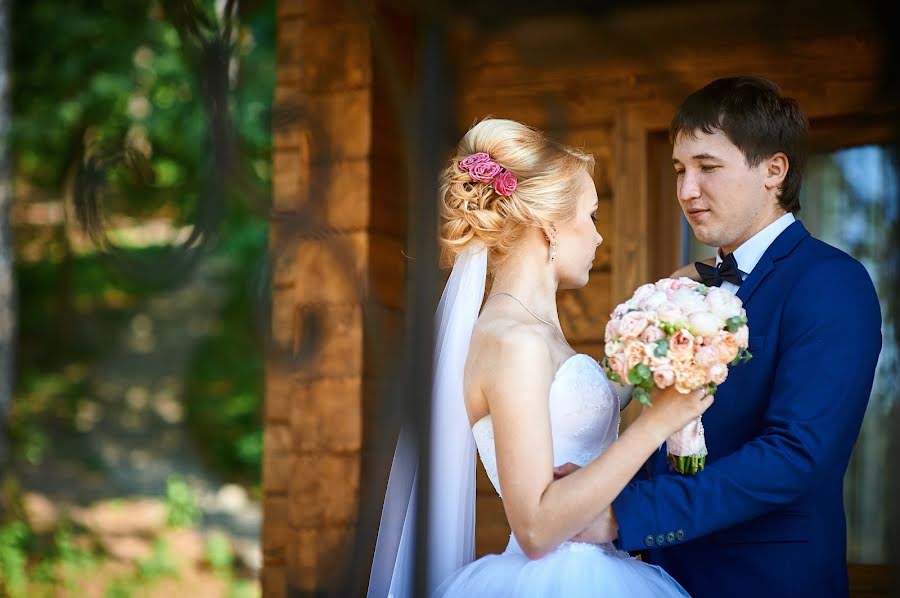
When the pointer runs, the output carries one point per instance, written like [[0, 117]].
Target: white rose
[[652, 301], [645, 290], [613, 347], [704, 323], [742, 336], [688, 300], [670, 313], [722, 303]]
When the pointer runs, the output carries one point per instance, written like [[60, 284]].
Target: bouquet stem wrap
[[687, 448]]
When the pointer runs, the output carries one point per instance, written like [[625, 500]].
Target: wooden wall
[[339, 219]]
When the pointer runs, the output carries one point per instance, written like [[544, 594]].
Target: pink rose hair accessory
[[482, 169]]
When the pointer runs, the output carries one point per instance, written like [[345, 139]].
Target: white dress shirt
[[749, 254]]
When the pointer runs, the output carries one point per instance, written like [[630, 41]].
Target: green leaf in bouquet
[[747, 356], [733, 324], [711, 388], [605, 361], [644, 372], [641, 395], [662, 348], [736, 360], [614, 377], [634, 377]]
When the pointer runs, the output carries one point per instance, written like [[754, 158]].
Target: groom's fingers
[[564, 470]]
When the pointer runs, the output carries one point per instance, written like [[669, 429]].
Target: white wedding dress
[[584, 416]]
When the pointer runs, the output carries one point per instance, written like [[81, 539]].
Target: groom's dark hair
[[757, 118]]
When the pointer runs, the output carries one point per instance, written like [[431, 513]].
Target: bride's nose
[[599, 239]]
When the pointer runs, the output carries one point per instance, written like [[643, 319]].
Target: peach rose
[[706, 357], [681, 345], [688, 378], [718, 372], [634, 354], [726, 346]]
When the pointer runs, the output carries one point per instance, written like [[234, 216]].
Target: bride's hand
[[671, 410], [690, 270]]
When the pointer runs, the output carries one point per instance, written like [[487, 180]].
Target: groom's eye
[[709, 167]]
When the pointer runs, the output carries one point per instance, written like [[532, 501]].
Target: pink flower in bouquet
[[612, 329], [681, 345], [618, 366], [726, 346], [652, 334], [706, 357], [718, 372], [484, 172], [663, 375], [704, 323], [633, 324]]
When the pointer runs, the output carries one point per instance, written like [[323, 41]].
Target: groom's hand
[[604, 528]]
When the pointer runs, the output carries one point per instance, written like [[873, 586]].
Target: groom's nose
[[688, 187]]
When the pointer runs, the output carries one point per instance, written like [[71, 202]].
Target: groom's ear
[[776, 169]]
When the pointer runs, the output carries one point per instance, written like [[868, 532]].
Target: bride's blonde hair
[[546, 174]]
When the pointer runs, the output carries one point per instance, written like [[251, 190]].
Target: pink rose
[[612, 330], [663, 376], [471, 160], [633, 324], [484, 172], [681, 345], [706, 357], [621, 310], [617, 365], [652, 334], [505, 183], [718, 372]]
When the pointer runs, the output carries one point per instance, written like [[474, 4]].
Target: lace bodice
[[584, 417]]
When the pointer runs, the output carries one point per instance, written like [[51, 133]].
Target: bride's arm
[[544, 512]]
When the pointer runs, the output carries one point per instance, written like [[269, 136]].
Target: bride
[[522, 209]]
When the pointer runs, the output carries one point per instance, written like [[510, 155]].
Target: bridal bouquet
[[682, 333]]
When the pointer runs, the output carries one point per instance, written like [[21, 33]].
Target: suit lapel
[[781, 247]]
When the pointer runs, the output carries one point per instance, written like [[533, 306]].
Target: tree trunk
[[7, 286]]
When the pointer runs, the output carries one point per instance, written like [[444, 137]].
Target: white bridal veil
[[451, 509]]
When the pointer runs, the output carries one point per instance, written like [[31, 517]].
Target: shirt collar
[[749, 254]]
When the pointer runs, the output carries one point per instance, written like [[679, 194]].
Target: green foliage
[[219, 553], [181, 504], [13, 558], [159, 564]]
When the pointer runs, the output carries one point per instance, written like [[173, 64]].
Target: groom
[[766, 516]]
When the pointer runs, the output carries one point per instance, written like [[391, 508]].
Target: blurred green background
[[150, 121]]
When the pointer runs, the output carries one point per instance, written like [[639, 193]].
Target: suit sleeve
[[829, 345]]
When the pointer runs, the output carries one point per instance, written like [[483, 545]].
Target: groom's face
[[723, 199]]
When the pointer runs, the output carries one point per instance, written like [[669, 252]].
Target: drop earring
[[553, 250]]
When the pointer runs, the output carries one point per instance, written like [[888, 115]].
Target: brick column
[[334, 266]]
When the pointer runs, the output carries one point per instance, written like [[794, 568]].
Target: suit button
[[680, 534], [660, 540], [648, 540], [670, 537]]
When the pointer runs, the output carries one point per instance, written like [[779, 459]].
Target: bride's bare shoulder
[[505, 343]]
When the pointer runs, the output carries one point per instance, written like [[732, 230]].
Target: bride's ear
[[549, 230]]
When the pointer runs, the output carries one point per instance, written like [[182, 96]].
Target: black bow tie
[[726, 271]]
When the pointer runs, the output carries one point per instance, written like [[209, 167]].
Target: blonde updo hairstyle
[[547, 173]]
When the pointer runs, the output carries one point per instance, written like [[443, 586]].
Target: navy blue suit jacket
[[766, 516]]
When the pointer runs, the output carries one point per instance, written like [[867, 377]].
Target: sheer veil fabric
[[451, 509]]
